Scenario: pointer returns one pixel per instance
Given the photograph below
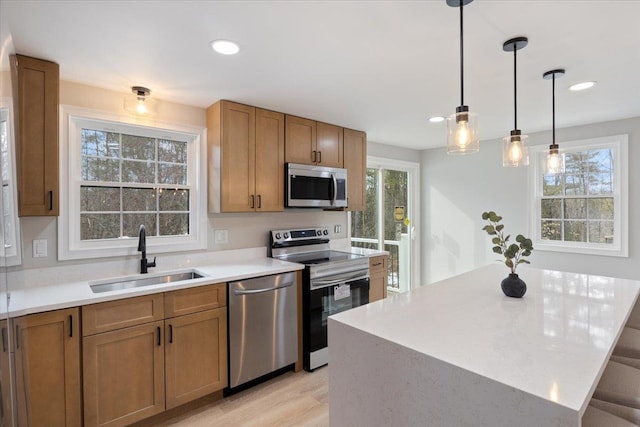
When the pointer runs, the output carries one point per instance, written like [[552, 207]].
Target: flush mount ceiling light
[[462, 127], [225, 47], [555, 159], [582, 86], [436, 119], [514, 147], [139, 103]]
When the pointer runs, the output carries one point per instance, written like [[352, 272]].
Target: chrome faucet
[[142, 247]]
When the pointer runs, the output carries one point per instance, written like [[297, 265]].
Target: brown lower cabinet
[[138, 371], [123, 375], [47, 363], [195, 355], [6, 413], [378, 277]]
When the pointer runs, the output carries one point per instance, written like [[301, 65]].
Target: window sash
[[619, 195], [70, 245]]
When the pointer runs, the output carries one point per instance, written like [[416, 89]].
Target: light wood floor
[[292, 399]]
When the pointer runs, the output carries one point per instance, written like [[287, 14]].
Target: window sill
[[576, 248]]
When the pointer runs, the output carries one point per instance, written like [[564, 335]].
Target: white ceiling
[[379, 66]]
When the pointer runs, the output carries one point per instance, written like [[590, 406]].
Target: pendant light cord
[[461, 57], [515, 91], [553, 108]]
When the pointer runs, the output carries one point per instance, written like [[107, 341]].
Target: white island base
[[459, 353]]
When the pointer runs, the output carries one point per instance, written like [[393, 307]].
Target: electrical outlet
[[222, 236], [40, 248], [337, 229]]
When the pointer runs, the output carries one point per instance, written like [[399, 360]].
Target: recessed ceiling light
[[225, 47], [436, 119], [582, 86]]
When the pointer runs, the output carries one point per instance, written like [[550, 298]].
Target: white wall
[[244, 230], [457, 189], [390, 152]]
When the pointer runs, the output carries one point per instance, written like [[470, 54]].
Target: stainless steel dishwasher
[[263, 326]]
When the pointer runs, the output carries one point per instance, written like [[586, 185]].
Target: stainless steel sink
[[137, 282]]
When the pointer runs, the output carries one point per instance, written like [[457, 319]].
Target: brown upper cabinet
[[355, 161], [36, 97], [313, 143], [246, 158]]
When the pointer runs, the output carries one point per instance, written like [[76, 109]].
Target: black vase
[[513, 286]]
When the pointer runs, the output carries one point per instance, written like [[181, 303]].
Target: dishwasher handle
[[260, 291]]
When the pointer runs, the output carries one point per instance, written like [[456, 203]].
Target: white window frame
[[620, 247], [69, 244], [10, 246]]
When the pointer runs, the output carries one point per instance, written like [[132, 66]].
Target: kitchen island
[[460, 353]]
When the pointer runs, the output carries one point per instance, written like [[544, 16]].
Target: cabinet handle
[[171, 333], [50, 200], [4, 340], [259, 201], [252, 198], [313, 156], [319, 156], [17, 336], [376, 264], [70, 326], [159, 336]]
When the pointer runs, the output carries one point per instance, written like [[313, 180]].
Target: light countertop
[[39, 290], [553, 343]]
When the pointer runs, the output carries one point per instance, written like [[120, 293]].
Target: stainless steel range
[[333, 281]]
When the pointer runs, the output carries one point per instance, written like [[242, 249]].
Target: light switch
[[337, 229], [222, 236], [40, 248]]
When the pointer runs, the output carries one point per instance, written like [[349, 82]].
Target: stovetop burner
[[320, 257]]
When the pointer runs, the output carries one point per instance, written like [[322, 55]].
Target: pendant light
[[462, 127], [555, 159], [139, 103], [514, 147]]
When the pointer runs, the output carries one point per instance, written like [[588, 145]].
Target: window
[[10, 250], [123, 175], [584, 209]]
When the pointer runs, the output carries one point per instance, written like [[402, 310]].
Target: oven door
[[335, 296]]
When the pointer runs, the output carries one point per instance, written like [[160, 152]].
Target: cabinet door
[[329, 145], [36, 101], [300, 140], [47, 355], [238, 157], [196, 355], [355, 161], [269, 161], [6, 415], [123, 375], [378, 277]]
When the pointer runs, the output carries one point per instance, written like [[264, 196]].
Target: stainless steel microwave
[[309, 186]]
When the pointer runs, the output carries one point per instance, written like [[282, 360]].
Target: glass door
[[389, 219]]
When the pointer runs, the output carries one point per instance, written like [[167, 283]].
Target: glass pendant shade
[[554, 163], [515, 151], [139, 103], [462, 133]]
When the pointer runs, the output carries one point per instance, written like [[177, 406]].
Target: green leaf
[[514, 248], [520, 238], [499, 227], [497, 249], [498, 218], [526, 253], [490, 229], [485, 215], [523, 261], [493, 217], [506, 239], [495, 240], [509, 263]]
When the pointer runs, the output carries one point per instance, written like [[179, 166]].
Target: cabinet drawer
[[112, 315], [378, 263], [193, 300]]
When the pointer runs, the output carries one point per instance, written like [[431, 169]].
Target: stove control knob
[[278, 236], [286, 235], [319, 232], [325, 232]]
